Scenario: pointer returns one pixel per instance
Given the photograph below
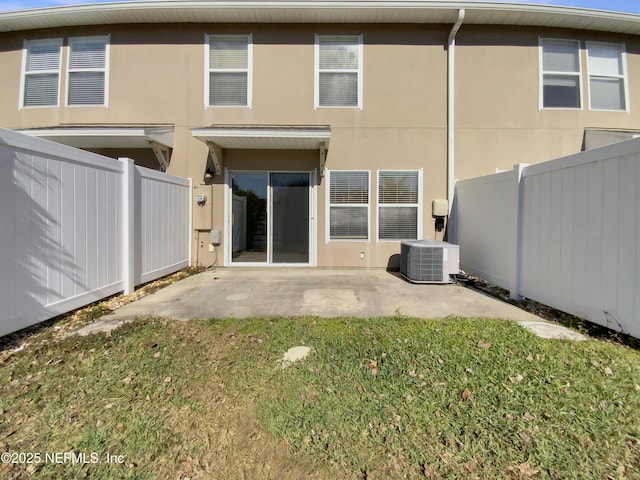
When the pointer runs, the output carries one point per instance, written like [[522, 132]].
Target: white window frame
[[328, 203], [24, 73], [542, 73], [248, 70], [358, 71], [390, 205], [107, 41], [624, 77]]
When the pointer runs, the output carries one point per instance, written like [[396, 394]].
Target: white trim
[[248, 70], [419, 227], [313, 210], [542, 72], [227, 230], [105, 69], [159, 135], [23, 71], [207, 76], [318, 11], [189, 233], [328, 205], [624, 77], [316, 70], [314, 133]]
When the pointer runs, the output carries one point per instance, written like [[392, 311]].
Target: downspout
[[451, 127]]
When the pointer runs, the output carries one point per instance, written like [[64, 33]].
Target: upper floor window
[[560, 82], [348, 205], [338, 62], [87, 70], [41, 73], [228, 81], [398, 205], [607, 76]]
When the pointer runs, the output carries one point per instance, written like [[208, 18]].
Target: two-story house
[[319, 133]]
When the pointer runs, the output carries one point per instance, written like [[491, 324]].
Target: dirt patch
[[226, 439], [57, 328]]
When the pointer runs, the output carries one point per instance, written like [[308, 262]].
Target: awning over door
[[269, 137], [158, 138]]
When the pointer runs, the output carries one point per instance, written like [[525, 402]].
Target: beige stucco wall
[[156, 76], [498, 119]]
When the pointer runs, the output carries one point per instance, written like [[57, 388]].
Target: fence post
[[128, 228], [514, 291]]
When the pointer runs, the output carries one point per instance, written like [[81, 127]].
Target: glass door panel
[[290, 217], [249, 217]]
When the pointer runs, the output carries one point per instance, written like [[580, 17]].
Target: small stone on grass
[[293, 355]]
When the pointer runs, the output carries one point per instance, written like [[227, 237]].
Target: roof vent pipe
[[451, 50]]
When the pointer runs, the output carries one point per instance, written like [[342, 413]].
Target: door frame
[[313, 214]]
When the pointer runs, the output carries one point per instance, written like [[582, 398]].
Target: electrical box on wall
[[202, 207], [440, 208], [215, 237]]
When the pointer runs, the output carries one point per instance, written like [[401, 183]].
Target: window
[[41, 68], [87, 70], [560, 74], [398, 205], [338, 71], [606, 67], [229, 70], [348, 205]]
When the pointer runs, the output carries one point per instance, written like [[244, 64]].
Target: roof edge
[[253, 11]]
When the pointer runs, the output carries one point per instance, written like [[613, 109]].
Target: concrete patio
[[275, 292]]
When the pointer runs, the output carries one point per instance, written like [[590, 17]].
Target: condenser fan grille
[[429, 261]]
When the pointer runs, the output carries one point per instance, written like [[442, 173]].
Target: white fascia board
[[163, 136], [213, 133], [319, 11], [83, 132]]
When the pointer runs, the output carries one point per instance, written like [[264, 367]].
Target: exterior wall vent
[[429, 261]]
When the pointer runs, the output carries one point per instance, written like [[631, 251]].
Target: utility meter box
[[440, 208], [202, 207], [215, 237]]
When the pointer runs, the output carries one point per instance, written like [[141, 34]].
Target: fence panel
[[60, 229], [486, 226], [163, 228], [580, 230], [565, 233], [63, 235]]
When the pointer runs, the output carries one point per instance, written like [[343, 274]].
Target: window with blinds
[[338, 71], [87, 71], [398, 205], [560, 73], [607, 76], [229, 80], [348, 205], [41, 79]]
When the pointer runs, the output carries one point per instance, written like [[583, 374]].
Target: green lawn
[[376, 398]]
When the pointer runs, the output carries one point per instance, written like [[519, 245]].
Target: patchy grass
[[376, 398], [403, 398], [59, 327]]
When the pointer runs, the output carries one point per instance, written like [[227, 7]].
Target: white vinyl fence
[[76, 227], [565, 233]]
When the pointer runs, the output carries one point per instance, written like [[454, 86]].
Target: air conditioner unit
[[429, 261]]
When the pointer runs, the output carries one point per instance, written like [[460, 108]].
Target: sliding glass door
[[270, 217]]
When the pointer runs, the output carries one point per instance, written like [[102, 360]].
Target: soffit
[[320, 11], [105, 137]]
